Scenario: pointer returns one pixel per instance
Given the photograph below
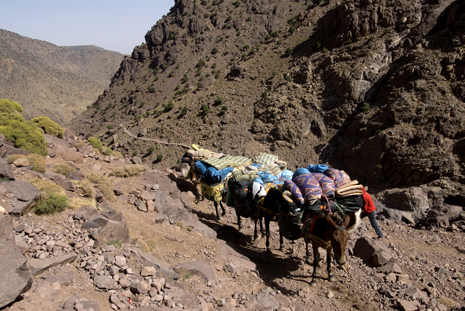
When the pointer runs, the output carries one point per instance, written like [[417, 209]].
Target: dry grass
[[104, 184], [149, 246], [87, 189], [47, 187], [128, 170], [63, 169], [34, 159], [75, 203]]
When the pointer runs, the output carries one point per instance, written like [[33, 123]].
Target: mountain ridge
[[58, 82]]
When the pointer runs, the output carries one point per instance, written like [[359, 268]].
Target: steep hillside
[[373, 88], [58, 82]]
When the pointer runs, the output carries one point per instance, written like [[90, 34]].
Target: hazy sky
[[114, 25]]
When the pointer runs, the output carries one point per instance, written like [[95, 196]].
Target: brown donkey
[[330, 231]]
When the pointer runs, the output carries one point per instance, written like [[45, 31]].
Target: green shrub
[[151, 149], [53, 204], [224, 109], [169, 106], [134, 153], [128, 170], [205, 109], [218, 100], [104, 184], [87, 189], [25, 135], [365, 106], [9, 106], [159, 157], [96, 143], [49, 126], [109, 127], [184, 111], [289, 51], [63, 169], [6, 118], [38, 162], [108, 152]]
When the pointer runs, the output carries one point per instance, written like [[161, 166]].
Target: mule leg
[[239, 222], [328, 264], [223, 210], [307, 253], [267, 228], [315, 264], [255, 232], [261, 224], [281, 241], [216, 208]]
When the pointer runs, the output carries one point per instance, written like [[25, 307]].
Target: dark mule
[[242, 205], [192, 175], [329, 231], [269, 208]]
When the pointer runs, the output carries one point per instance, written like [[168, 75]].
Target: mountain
[[374, 88], [53, 81]]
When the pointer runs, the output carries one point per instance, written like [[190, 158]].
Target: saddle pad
[[266, 158], [233, 161]]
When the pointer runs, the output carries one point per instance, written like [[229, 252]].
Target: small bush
[[96, 143], [128, 170], [184, 111], [38, 162], [159, 157], [218, 100], [53, 204], [224, 109], [9, 106], [205, 109], [109, 127], [25, 135], [151, 149], [49, 126], [87, 189], [104, 184], [63, 169], [287, 78], [168, 107], [365, 106], [135, 153], [47, 188], [289, 51], [14, 157], [108, 152], [118, 154]]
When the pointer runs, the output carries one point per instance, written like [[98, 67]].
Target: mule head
[[339, 235]]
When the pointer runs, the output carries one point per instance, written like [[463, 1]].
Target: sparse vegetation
[[128, 170], [96, 143], [102, 183], [51, 205], [48, 126], [63, 169]]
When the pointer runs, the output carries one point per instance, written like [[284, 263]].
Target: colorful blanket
[[228, 160], [266, 158]]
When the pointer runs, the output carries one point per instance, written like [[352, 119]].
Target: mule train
[[317, 203]]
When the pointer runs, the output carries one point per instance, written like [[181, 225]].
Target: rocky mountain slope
[[146, 245], [374, 88], [48, 80]]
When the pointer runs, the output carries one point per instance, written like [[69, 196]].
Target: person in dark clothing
[[369, 210]]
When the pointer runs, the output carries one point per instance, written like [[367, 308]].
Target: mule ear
[[346, 221], [331, 221]]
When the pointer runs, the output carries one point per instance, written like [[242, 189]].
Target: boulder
[[136, 160], [196, 267], [7, 150], [38, 266], [15, 277], [372, 250], [5, 170], [19, 196], [68, 154], [110, 225], [163, 270], [413, 199]]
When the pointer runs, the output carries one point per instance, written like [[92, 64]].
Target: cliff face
[[57, 82], [372, 87]]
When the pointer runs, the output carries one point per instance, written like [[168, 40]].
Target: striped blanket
[[228, 160], [266, 158]]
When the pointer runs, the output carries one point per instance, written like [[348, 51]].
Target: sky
[[114, 25]]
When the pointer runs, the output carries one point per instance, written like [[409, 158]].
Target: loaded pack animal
[[330, 231], [196, 178]]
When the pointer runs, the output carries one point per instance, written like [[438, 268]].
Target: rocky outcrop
[[18, 196], [16, 278]]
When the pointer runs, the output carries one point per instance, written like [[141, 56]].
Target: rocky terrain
[[372, 87], [53, 81], [147, 245]]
